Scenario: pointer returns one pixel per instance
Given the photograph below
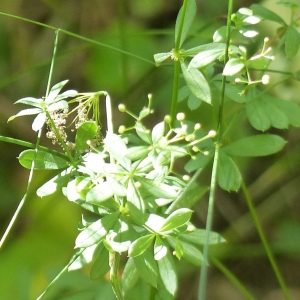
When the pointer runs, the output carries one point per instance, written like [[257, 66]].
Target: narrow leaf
[[147, 267], [130, 275], [37, 102], [55, 91], [25, 112], [39, 121], [61, 105], [43, 160], [140, 245], [96, 231], [256, 145], [266, 14], [204, 58], [161, 57], [176, 219], [168, 273], [185, 21], [158, 132], [197, 83], [160, 248], [101, 265]]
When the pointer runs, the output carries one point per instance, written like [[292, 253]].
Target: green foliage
[[141, 206]]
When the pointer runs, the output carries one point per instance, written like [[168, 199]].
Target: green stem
[[175, 92], [265, 243], [79, 37], [31, 145], [114, 259], [232, 278], [177, 65], [60, 273], [23, 200], [203, 273]]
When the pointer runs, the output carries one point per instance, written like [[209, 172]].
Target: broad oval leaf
[[292, 42], [197, 83], [43, 160], [85, 132], [256, 145], [140, 245], [228, 175], [96, 231], [176, 219], [233, 66]]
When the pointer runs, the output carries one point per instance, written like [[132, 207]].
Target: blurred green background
[[42, 240]]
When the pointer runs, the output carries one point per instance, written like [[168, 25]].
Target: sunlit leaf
[[256, 145], [176, 219], [39, 121], [55, 91], [143, 133], [25, 112], [206, 57], [168, 273], [160, 248], [198, 237], [233, 66], [140, 245], [85, 132], [96, 231], [158, 132], [37, 102], [137, 152], [161, 57], [61, 105], [130, 275]]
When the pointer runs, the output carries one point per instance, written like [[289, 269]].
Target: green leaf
[[199, 162], [198, 237], [197, 83], [160, 248], [25, 112], [265, 111], [143, 133], [259, 63], [292, 42], [158, 132], [61, 105], [54, 184], [206, 57], [43, 160], [130, 275], [256, 145], [228, 175], [147, 267], [55, 91], [233, 66], [266, 14], [101, 265], [85, 257], [178, 249], [135, 214], [168, 274], [233, 92], [136, 153], [85, 132], [158, 190], [37, 102], [96, 231], [140, 245], [193, 102], [161, 57], [191, 253], [203, 48], [185, 21], [176, 219], [39, 121], [219, 35]]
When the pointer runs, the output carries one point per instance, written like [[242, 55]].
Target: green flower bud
[[122, 107]]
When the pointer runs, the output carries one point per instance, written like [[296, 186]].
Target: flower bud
[[122, 129], [180, 116], [122, 107]]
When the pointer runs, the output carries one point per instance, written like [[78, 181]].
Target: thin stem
[[203, 273], [31, 145], [60, 273], [114, 259], [175, 92], [23, 200], [265, 243], [79, 37]]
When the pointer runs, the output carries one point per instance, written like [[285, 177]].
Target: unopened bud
[[122, 107], [265, 79], [212, 133], [180, 116], [122, 129]]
